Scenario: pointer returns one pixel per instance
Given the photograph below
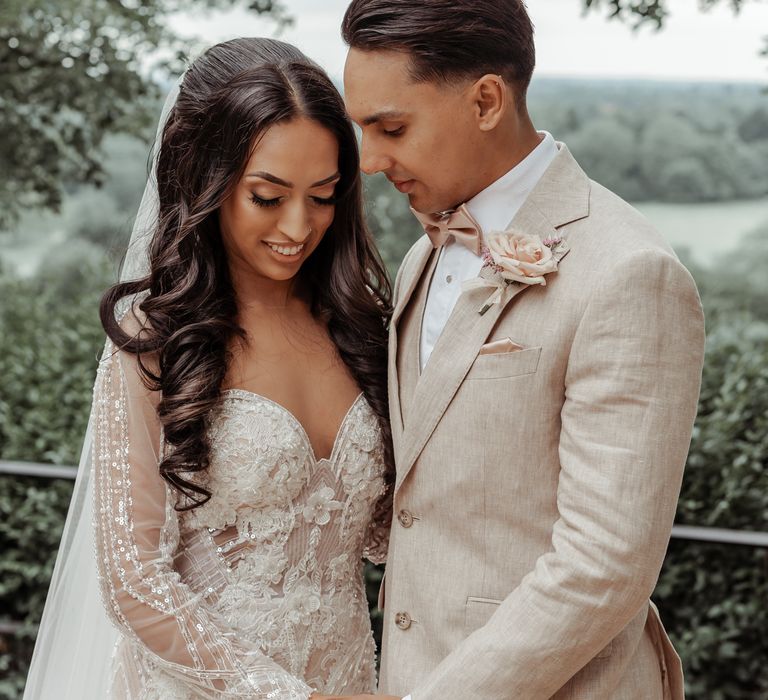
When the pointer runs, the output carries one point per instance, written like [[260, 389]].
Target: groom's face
[[421, 135]]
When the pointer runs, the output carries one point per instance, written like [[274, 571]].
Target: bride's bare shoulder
[[133, 321]]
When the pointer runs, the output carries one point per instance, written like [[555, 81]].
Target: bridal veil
[[76, 639]]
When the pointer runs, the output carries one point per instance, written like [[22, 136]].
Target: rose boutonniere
[[511, 256]]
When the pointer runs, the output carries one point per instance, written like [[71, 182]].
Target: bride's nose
[[295, 223]]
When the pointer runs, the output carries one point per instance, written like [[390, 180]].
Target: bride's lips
[[404, 186], [285, 258]]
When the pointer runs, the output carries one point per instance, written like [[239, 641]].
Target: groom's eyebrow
[[269, 177], [382, 116]]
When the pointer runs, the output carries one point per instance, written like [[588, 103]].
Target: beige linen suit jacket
[[536, 489]]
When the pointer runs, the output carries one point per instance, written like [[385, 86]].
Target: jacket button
[[403, 620], [405, 518]]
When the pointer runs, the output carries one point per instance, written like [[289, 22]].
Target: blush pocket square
[[496, 347]]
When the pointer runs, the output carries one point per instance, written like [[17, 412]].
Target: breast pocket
[[478, 611], [505, 364]]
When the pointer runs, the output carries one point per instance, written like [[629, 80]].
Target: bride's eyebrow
[[284, 183]]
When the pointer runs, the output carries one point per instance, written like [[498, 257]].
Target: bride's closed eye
[[324, 201], [262, 202], [275, 201], [395, 132]]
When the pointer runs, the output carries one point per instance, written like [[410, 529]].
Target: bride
[[240, 443]]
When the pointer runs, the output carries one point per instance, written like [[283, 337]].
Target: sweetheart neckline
[[331, 457]]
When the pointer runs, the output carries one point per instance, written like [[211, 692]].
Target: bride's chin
[[281, 273]]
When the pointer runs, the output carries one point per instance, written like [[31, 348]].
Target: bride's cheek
[[327, 219]]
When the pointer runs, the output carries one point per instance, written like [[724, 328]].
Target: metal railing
[[45, 471], [720, 535], [681, 532]]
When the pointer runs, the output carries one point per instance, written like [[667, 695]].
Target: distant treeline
[[672, 142]]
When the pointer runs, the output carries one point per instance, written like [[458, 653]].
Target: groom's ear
[[491, 99]]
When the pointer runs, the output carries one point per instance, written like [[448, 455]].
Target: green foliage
[[713, 596], [32, 513], [754, 126], [609, 152], [741, 292], [72, 72], [390, 219], [91, 215], [650, 141], [48, 353], [650, 11]]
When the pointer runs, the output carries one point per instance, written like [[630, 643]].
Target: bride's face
[[281, 208]]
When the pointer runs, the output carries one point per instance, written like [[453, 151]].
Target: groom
[[543, 380]]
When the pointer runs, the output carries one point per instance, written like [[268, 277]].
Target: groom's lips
[[404, 186]]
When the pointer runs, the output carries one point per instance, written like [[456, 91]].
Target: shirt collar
[[495, 206]]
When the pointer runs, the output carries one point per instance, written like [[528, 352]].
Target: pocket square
[[496, 347]]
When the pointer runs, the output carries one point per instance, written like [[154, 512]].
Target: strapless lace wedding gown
[[259, 593]]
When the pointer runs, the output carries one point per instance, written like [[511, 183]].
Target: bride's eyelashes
[[324, 201], [261, 202], [394, 132], [275, 201]]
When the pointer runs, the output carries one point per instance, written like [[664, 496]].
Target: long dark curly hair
[[229, 97]]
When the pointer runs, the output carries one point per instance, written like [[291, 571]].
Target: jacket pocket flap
[[508, 364]]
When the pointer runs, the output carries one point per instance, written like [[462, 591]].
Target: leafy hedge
[[712, 597], [48, 348]]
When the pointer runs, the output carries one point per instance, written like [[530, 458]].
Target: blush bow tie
[[458, 223]]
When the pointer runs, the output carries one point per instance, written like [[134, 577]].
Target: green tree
[[686, 179], [655, 12], [754, 127], [737, 287], [608, 151], [680, 162], [74, 71]]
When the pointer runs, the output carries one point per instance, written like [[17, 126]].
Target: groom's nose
[[372, 160]]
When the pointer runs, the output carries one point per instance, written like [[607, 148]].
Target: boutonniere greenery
[[511, 257]]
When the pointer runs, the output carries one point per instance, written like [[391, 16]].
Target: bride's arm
[[136, 536]]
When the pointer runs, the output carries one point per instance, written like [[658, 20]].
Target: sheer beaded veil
[[75, 639]]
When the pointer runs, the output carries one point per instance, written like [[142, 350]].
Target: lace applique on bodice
[[284, 533], [261, 588]]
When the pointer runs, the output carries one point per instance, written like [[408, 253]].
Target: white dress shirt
[[493, 208]]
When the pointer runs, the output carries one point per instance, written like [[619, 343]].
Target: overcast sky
[[694, 45]]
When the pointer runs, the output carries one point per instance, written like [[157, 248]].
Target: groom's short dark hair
[[448, 39]]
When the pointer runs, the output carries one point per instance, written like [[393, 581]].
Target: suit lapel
[[453, 355], [414, 267], [411, 274], [560, 197]]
